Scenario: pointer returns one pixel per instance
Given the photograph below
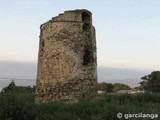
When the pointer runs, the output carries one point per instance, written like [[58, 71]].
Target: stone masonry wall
[[67, 63]]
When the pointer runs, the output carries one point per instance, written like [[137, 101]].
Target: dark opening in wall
[[85, 26], [85, 17], [42, 46], [86, 57], [42, 43]]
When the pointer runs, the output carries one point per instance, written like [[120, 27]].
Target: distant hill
[[24, 74], [130, 76]]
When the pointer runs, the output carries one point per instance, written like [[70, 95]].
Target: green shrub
[[16, 106]]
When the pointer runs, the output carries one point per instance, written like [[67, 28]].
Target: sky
[[127, 33]]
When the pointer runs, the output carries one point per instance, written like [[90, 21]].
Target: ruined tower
[[67, 63]]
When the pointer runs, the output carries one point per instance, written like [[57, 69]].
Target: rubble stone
[[67, 62]]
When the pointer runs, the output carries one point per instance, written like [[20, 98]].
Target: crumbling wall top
[[78, 15]]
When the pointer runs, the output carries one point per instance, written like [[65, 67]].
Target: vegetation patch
[[21, 106]]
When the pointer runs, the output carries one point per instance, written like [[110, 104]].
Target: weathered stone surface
[[67, 63]]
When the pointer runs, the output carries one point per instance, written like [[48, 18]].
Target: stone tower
[[67, 63]]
